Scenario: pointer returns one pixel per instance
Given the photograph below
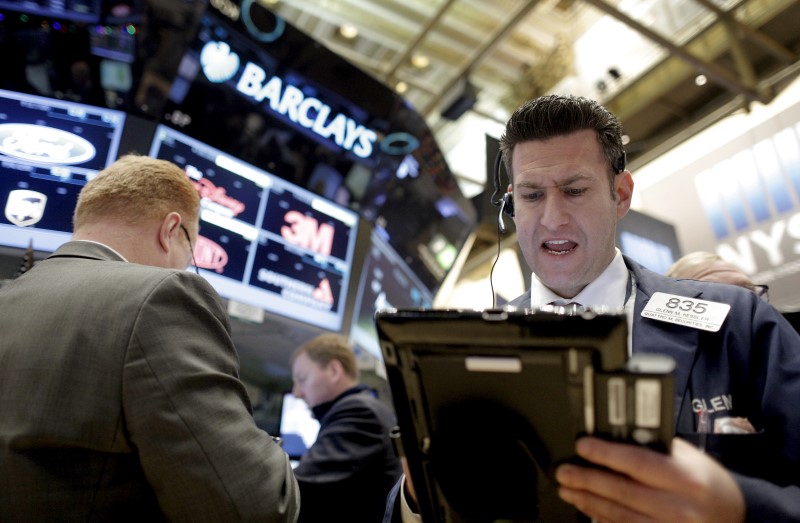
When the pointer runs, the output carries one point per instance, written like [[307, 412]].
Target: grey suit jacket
[[120, 400]]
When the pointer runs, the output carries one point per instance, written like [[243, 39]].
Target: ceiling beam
[[714, 72], [513, 20], [755, 36], [420, 36]]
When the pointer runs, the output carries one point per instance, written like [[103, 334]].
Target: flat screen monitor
[[280, 101], [386, 282], [264, 241], [298, 426], [49, 149]]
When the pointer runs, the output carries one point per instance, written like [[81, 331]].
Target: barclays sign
[[220, 64]]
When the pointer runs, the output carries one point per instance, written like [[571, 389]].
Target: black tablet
[[489, 403]]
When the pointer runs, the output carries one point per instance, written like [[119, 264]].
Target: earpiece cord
[[496, 180], [491, 271], [500, 228]]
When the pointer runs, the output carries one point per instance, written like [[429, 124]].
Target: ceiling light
[[348, 31], [626, 139], [420, 61], [401, 87], [700, 79]]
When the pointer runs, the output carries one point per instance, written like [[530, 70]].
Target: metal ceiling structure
[[666, 68], [513, 50]]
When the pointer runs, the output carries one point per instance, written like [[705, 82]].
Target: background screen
[[386, 281], [298, 427], [49, 149], [264, 241]]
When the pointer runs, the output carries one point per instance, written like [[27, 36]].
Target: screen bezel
[[241, 289]]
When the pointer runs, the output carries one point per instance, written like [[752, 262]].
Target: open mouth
[[559, 247]]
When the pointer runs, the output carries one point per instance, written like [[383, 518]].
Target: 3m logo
[[754, 186], [307, 232]]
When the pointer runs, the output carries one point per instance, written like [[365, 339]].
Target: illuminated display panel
[[298, 426], [386, 281], [49, 149], [264, 241], [77, 10], [298, 111]]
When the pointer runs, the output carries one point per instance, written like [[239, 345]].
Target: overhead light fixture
[[420, 61], [348, 31], [401, 87], [459, 100], [626, 139], [700, 79]]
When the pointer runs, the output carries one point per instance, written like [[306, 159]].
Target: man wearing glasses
[[119, 390], [707, 266]]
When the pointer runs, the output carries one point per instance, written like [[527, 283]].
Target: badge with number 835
[[682, 310]]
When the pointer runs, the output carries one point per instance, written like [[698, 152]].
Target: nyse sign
[[735, 190], [752, 203]]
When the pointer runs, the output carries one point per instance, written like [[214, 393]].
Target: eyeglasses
[[762, 291], [191, 248]]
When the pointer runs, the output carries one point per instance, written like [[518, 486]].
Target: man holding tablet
[[736, 380]]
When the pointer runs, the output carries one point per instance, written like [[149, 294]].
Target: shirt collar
[[106, 246], [608, 289]]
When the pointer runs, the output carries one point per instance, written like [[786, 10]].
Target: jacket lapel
[[651, 336]]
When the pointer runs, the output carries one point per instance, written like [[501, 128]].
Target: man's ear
[[623, 183], [169, 230], [336, 369]]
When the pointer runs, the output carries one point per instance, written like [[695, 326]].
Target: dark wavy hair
[[557, 115]]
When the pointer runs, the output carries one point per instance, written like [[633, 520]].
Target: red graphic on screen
[[207, 189], [210, 255], [323, 292], [305, 231]]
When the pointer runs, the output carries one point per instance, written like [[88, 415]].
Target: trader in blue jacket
[[736, 456]]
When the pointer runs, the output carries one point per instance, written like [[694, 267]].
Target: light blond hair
[[328, 347], [134, 189], [692, 264]]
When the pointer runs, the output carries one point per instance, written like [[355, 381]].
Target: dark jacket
[[750, 368], [349, 470]]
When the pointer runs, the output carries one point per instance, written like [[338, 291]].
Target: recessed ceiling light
[[626, 139], [348, 31], [401, 87], [700, 79], [420, 61]]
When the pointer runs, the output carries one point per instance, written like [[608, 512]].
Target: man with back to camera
[[568, 189], [120, 398], [352, 464]]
